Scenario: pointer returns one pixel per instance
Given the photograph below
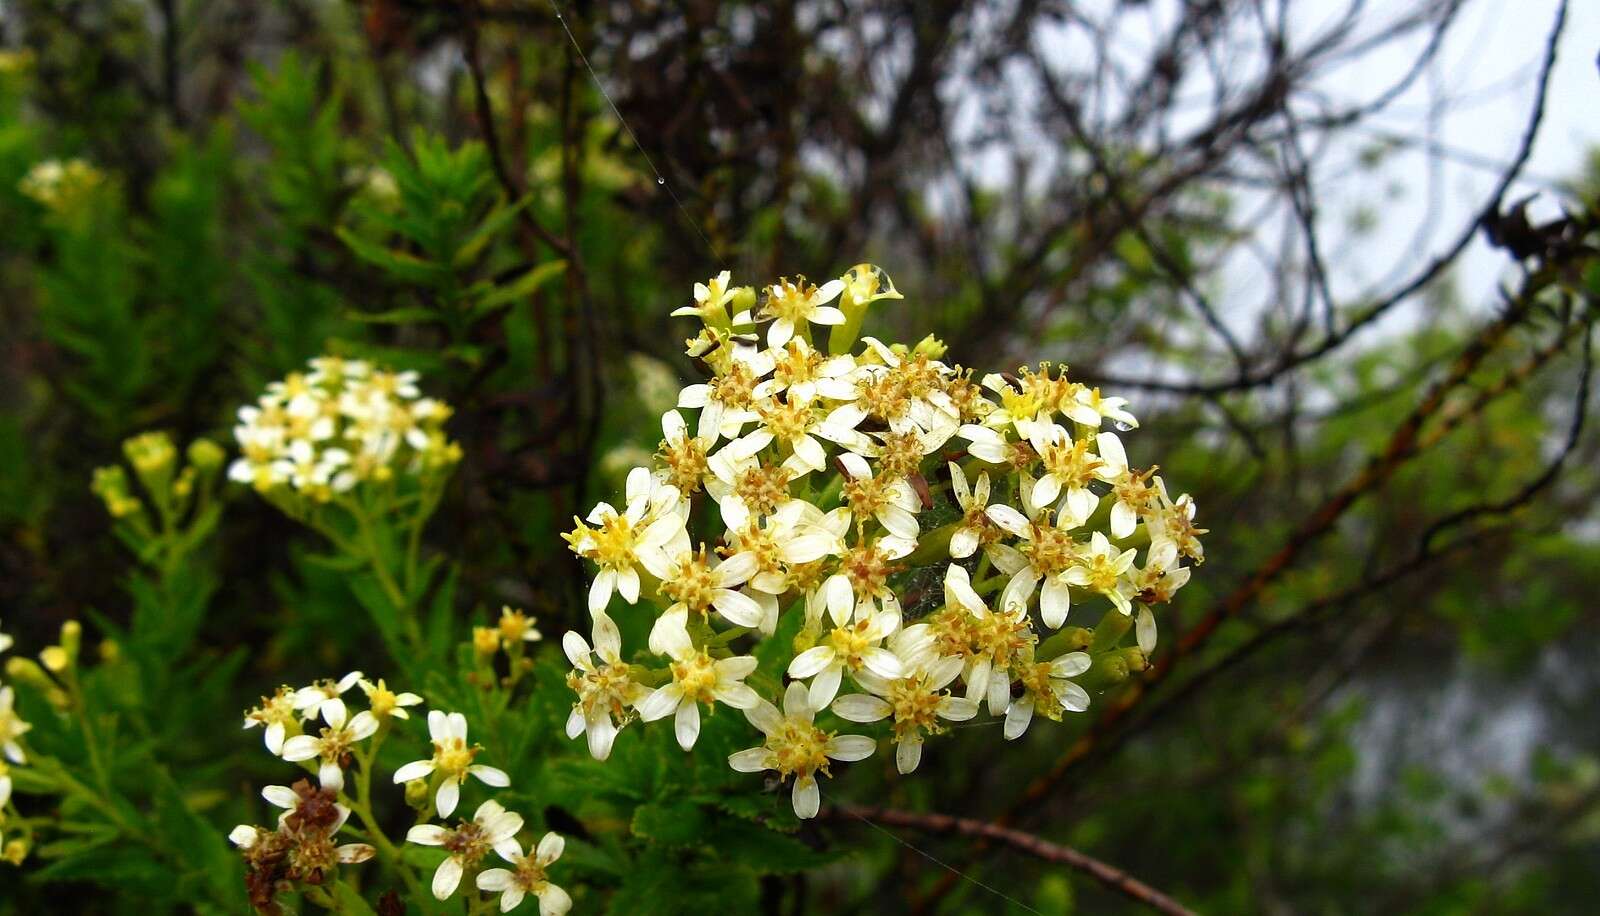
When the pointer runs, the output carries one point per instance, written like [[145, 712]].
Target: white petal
[[1054, 602], [447, 878], [850, 747], [427, 835], [811, 661], [660, 703], [908, 754], [1018, 717], [687, 724], [806, 797], [859, 707], [490, 776], [824, 687], [448, 796], [751, 760], [1145, 630], [416, 769]]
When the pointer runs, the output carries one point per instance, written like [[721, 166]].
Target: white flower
[[1069, 468], [693, 584], [893, 503], [710, 300], [791, 305], [851, 648], [725, 403], [1048, 553], [1088, 407], [975, 529], [696, 678], [1047, 691], [917, 703], [649, 530], [324, 697], [333, 744], [796, 747], [452, 758], [11, 727], [985, 444], [606, 690], [999, 638], [5, 642], [861, 586], [1101, 569], [528, 875], [277, 713], [491, 827], [386, 703]]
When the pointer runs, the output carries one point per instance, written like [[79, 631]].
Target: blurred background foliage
[[1395, 720]]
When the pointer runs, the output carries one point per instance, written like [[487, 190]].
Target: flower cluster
[[61, 186], [491, 826], [12, 728], [321, 432], [302, 848], [934, 530]]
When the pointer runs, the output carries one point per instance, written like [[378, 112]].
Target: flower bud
[[485, 642], [417, 795], [931, 347], [110, 651], [15, 851], [55, 659], [71, 637], [206, 456], [27, 671]]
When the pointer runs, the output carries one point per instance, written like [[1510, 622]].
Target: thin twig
[[1109, 875]]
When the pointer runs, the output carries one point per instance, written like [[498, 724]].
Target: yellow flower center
[[763, 489], [692, 582], [916, 709], [849, 642], [696, 676], [1070, 462], [798, 745], [1050, 550], [452, 756], [867, 568]]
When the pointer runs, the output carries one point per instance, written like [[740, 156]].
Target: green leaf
[[520, 288], [411, 315], [404, 266], [671, 824]]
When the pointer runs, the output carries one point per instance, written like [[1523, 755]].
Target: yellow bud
[[931, 347], [71, 637], [15, 851], [56, 659], [417, 793], [27, 671], [485, 642], [206, 455], [110, 651]]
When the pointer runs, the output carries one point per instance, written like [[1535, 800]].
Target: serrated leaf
[[671, 823]]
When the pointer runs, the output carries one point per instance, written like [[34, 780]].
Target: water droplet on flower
[[1120, 426]]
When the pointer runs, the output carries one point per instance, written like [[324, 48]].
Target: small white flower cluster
[[12, 728], [285, 715], [828, 468], [491, 827], [322, 432], [301, 848]]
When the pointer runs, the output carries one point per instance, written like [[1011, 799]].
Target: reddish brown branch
[[1109, 875]]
